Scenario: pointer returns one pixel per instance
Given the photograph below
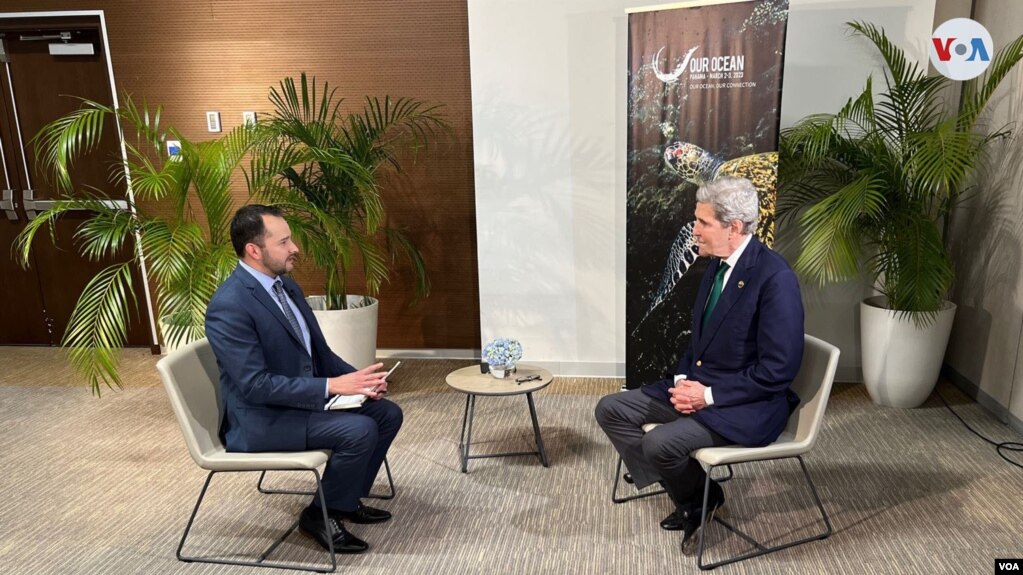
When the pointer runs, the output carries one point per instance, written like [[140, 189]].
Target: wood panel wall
[[194, 56]]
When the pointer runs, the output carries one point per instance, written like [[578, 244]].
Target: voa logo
[[961, 49]]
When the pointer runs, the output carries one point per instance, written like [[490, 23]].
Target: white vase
[[351, 333], [901, 360]]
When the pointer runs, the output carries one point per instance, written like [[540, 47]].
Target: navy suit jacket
[[749, 351], [269, 383]]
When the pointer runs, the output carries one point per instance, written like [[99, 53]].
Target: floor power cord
[[1000, 447]]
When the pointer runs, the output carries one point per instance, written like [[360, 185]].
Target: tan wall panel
[[195, 56]]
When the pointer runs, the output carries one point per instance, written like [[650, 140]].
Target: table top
[[470, 380]]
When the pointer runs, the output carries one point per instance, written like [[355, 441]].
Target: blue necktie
[[715, 292]]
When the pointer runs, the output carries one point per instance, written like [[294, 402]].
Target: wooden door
[[37, 87]]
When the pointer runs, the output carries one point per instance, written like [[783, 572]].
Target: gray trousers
[[663, 454]]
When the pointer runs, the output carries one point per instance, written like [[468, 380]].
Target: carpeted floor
[[105, 486]]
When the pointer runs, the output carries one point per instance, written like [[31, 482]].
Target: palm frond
[[831, 242], [68, 137], [402, 246], [97, 329]]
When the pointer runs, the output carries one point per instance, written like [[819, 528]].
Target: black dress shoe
[[677, 519], [628, 478], [363, 515], [311, 523], [692, 527]]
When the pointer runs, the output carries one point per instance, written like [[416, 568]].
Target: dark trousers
[[359, 439], [663, 454]]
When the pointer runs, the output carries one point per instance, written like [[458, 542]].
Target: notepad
[[345, 401]]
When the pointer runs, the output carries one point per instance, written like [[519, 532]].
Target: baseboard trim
[[473, 354], [974, 391]]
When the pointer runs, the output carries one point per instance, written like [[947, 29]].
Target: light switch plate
[[213, 121]]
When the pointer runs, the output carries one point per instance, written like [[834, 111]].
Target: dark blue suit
[[748, 354], [749, 351], [273, 391]]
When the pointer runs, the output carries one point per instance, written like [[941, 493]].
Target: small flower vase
[[500, 371]]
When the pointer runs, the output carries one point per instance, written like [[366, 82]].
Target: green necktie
[[715, 292]]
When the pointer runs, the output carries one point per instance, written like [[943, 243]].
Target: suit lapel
[[730, 294], [266, 301], [701, 298]]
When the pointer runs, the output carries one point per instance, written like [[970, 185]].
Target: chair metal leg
[[389, 495], [614, 489], [725, 478], [261, 562], [761, 549], [390, 483]]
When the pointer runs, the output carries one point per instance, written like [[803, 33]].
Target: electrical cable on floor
[[1010, 446]]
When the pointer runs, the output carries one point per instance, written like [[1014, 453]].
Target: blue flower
[[502, 351]]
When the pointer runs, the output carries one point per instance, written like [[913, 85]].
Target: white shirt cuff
[[708, 396]]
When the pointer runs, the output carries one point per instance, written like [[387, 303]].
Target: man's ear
[[736, 227], [253, 251]]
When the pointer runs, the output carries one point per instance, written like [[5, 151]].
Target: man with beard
[[277, 372], [732, 382]]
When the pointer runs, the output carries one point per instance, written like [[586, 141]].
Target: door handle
[[33, 206], [7, 205]]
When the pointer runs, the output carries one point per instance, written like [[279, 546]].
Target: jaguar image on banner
[[704, 101]]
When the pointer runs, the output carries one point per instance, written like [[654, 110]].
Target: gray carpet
[[105, 486]]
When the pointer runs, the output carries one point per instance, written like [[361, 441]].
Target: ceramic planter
[[901, 360], [350, 333]]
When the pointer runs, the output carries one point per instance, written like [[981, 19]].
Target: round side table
[[473, 383]]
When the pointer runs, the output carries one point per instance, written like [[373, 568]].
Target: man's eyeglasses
[[528, 378]]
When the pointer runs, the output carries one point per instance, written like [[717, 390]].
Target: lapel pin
[[742, 284]]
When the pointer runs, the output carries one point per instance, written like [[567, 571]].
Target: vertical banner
[[704, 99]]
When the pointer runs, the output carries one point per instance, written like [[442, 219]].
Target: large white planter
[[350, 333], [901, 361]]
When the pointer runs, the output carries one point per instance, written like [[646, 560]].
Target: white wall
[[549, 107]]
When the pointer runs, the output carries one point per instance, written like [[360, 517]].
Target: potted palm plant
[[873, 188], [323, 167], [186, 245]]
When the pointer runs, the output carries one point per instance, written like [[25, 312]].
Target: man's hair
[[732, 199], [247, 226]]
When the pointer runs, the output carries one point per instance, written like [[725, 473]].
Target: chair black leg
[[390, 482], [191, 518], [261, 562], [761, 549], [725, 478], [614, 489]]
